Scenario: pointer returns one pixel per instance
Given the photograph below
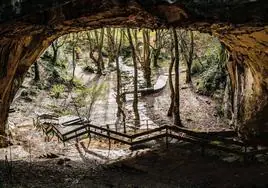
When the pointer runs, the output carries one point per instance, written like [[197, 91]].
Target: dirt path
[[197, 112]]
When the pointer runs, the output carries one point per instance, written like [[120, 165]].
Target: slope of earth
[[197, 112]]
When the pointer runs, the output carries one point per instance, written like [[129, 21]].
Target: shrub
[[78, 83], [46, 56], [85, 96], [212, 79], [125, 51], [62, 64], [197, 67], [89, 69], [57, 90]]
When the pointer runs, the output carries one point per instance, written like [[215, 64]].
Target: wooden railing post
[[245, 155], [109, 138], [167, 137], [89, 136]]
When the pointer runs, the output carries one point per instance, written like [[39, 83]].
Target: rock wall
[[249, 74], [28, 27]]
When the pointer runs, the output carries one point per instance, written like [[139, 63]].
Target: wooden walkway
[[226, 141], [157, 87]]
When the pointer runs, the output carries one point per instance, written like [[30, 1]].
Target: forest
[[136, 58], [108, 93]]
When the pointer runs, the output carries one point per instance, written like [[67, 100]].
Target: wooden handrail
[[148, 132], [111, 137], [148, 139], [202, 142], [204, 134], [202, 138], [77, 129], [107, 130]]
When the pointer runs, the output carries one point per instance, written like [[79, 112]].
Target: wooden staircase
[[226, 141]]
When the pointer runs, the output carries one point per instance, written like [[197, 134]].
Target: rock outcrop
[[28, 27]]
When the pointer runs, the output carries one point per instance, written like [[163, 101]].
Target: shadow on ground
[[175, 167]]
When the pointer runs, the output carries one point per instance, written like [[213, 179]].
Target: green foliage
[[46, 56], [89, 69], [61, 63], [57, 74], [90, 95], [60, 110], [164, 55], [128, 61], [57, 90], [211, 80], [213, 76], [78, 83], [220, 110], [197, 67], [125, 50]]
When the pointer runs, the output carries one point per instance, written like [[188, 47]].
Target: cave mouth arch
[[62, 93], [28, 29]]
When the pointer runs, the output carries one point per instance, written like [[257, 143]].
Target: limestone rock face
[[28, 27]]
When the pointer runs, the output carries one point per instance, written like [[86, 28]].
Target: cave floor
[[181, 165]]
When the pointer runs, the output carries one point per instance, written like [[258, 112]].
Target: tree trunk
[[55, 53], [156, 49], [135, 80], [118, 88], [73, 62], [111, 44], [176, 112], [100, 45], [146, 57], [147, 77], [189, 61], [118, 74], [172, 92], [188, 79], [36, 72], [156, 53]]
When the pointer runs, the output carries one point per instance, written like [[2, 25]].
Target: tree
[[74, 44], [146, 62], [170, 79], [111, 43], [118, 42], [190, 58], [143, 53], [56, 45], [119, 37], [159, 43], [36, 72], [176, 111], [95, 39], [135, 79], [187, 49]]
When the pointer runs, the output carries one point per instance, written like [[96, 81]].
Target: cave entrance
[[75, 81], [27, 28], [21, 47]]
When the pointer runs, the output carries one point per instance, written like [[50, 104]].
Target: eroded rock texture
[[28, 27]]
